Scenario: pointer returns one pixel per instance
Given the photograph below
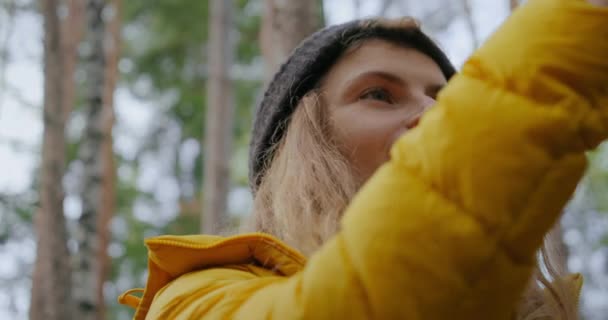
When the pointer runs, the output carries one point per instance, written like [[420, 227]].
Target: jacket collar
[[172, 256]]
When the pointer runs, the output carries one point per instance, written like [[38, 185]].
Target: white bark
[[86, 236]]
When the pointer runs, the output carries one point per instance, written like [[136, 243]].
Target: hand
[[601, 3]]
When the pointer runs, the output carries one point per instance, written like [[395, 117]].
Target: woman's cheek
[[374, 146]]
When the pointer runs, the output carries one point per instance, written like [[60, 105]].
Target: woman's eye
[[377, 94]]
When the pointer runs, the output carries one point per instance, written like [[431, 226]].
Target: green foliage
[[164, 64], [183, 224], [165, 43], [16, 211], [71, 150], [248, 21]]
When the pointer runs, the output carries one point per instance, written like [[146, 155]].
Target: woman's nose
[[414, 122], [426, 104]]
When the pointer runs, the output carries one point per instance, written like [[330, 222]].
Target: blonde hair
[[309, 183], [299, 201]]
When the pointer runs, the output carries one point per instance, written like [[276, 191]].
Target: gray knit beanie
[[302, 71]]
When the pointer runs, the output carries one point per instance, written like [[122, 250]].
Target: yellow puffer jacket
[[449, 227]]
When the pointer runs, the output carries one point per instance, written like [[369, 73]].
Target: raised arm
[[449, 227]]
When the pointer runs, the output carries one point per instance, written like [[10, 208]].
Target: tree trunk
[[86, 235], [468, 17], [218, 124], [71, 32], [108, 195], [51, 284], [286, 23]]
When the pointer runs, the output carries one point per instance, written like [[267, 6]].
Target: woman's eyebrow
[[374, 74]]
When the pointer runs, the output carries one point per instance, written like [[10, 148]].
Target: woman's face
[[375, 93]]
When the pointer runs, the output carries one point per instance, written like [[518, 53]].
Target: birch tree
[[86, 235]]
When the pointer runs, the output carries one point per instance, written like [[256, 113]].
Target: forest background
[[121, 120]]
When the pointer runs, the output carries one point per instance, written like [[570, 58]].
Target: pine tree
[[51, 283], [218, 124]]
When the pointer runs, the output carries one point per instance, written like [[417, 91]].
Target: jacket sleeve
[[448, 228]]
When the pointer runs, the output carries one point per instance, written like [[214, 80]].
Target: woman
[[449, 217]]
